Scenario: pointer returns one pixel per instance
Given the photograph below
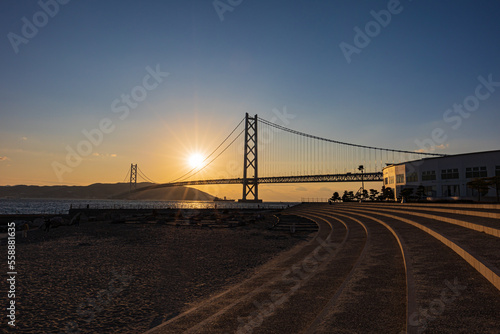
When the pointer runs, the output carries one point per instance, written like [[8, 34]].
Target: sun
[[195, 160]]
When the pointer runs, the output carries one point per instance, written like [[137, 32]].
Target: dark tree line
[[484, 184], [481, 185], [386, 194]]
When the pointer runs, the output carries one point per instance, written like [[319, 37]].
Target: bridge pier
[[250, 162], [133, 177], [249, 201], [250, 187]]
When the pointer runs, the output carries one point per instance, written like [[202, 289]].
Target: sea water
[[62, 206]]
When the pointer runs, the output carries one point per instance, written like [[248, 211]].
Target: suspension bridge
[[258, 151]]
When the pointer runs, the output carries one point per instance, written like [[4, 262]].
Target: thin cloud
[[301, 189], [437, 147], [442, 146], [104, 155], [4, 158]]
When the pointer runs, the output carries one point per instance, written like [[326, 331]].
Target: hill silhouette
[[104, 191]]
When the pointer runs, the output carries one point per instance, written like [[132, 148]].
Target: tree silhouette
[[335, 197], [345, 196], [406, 193], [494, 182], [388, 193], [373, 194], [348, 196], [361, 195], [382, 193], [420, 191], [480, 185]]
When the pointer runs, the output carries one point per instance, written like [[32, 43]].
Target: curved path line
[[248, 295], [287, 255], [491, 274], [411, 304], [319, 318], [476, 227], [261, 288], [463, 205]]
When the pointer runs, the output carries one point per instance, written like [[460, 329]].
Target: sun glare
[[195, 160]]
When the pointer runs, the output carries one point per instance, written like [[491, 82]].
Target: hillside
[[103, 191]]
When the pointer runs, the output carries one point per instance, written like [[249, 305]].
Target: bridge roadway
[[349, 177], [370, 268]]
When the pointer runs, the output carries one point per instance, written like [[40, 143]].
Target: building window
[[400, 178], [451, 190], [391, 179], [471, 172], [429, 175], [412, 177], [386, 180], [497, 171], [449, 174]]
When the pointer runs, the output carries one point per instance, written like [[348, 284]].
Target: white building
[[444, 177]]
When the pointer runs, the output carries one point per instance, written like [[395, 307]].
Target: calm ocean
[[62, 206]]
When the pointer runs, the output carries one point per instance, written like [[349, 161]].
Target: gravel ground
[[126, 278]]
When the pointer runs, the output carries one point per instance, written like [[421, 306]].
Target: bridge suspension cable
[[344, 143], [143, 175], [218, 155], [290, 156], [197, 169], [284, 151], [127, 176]]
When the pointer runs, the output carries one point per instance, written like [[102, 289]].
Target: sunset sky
[[196, 68]]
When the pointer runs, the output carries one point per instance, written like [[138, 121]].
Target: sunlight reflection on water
[[61, 206]]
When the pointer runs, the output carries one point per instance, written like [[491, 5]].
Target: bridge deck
[[348, 177]]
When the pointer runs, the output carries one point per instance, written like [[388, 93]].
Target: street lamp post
[[361, 169]]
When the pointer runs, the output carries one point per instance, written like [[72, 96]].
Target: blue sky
[[263, 55]]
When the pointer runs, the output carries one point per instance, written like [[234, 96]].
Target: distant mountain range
[[104, 191]]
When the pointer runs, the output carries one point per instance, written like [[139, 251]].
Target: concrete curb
[[491, 274], [476, 227]]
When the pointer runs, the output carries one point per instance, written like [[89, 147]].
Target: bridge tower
[[133, 177], [250, 162]]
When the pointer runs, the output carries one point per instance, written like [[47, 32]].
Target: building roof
[[444, 157]]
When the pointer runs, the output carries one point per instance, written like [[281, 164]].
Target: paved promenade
[[371, 268]]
